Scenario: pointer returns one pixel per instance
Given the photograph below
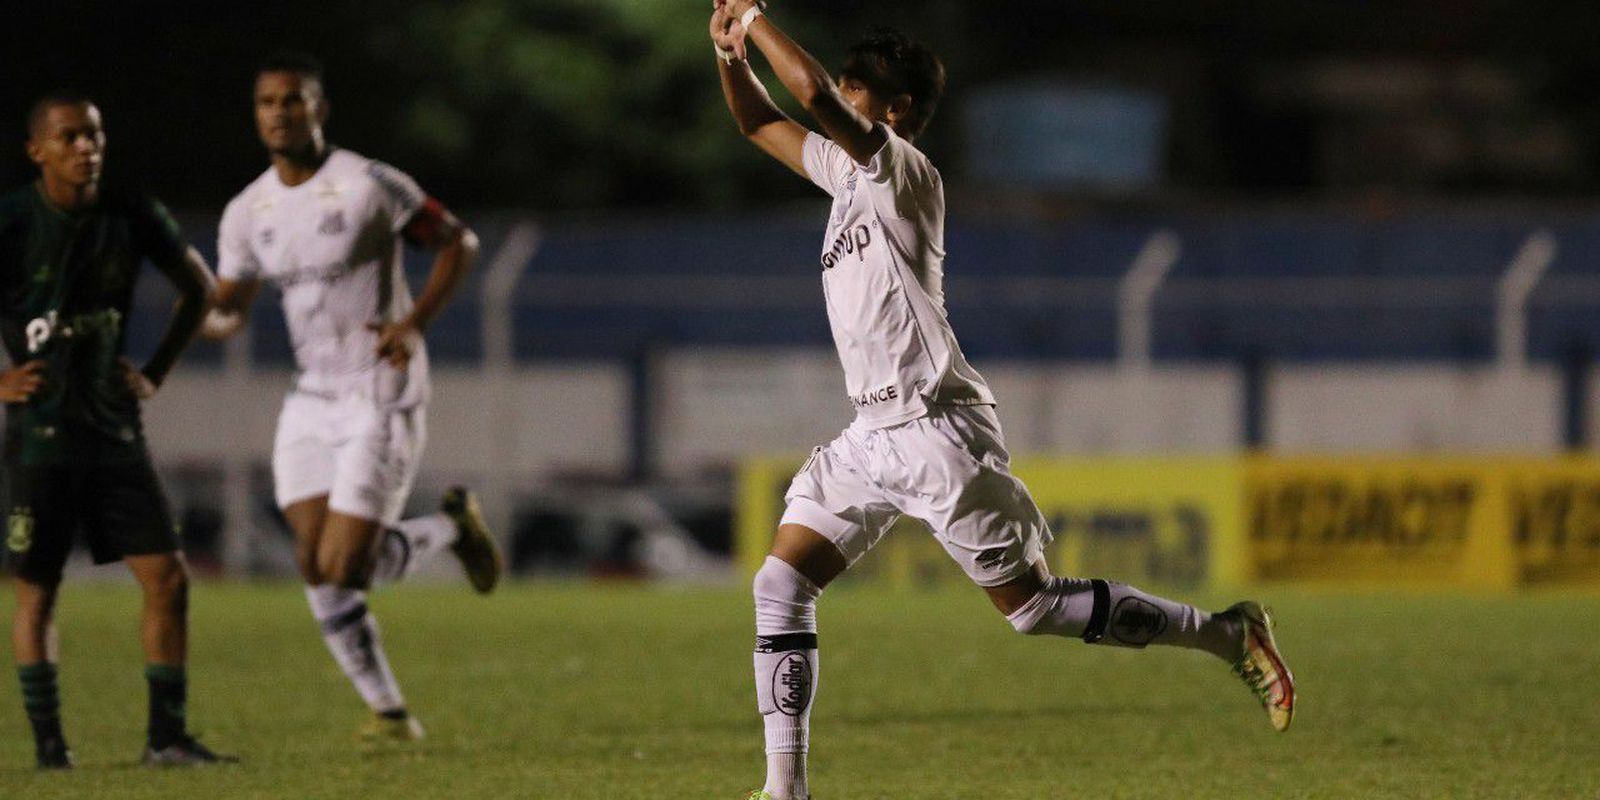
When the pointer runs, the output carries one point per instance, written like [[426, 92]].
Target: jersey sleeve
[[236, 261], [398, 195], [158, 233], [826, 163]]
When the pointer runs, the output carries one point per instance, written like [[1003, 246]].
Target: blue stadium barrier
[[1276, 286]]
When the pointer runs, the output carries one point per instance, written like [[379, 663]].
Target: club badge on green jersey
[[19, 530]]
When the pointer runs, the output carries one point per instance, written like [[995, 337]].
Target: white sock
[[1103, 612], [786, 672], [352, 636], [786, 776], [411, 543]]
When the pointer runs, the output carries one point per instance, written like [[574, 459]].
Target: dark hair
[[890, 64], [303, 64], [42, 106]]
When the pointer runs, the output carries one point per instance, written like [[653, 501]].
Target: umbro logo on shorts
[[992, 558]]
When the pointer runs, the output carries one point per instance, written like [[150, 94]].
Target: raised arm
[[759, 120], [806, 79]]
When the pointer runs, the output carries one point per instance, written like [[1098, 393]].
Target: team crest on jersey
[[266, 236], [332, 222], [19, 530]]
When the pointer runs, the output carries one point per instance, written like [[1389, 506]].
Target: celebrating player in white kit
[[925, 441], [325, 225]]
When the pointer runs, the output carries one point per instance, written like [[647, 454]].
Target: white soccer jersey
[[883, 278], [332, 246]]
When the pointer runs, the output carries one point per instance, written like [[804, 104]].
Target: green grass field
[[578, 691]]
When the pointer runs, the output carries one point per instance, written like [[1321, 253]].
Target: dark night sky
[[173, 78]]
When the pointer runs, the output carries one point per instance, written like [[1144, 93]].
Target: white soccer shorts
[[362, 456], [949, 470]]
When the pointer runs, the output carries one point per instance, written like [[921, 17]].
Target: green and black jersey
[[66, 283]]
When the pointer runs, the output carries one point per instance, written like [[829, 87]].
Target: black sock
[[169, 691], [42, 700]]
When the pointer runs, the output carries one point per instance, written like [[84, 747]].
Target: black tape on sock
[[345, 620], [785, 642], [1101, 615]]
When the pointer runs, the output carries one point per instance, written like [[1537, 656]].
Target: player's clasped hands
[[18, 384], [726, 31]]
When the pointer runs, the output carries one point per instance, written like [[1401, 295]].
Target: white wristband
[[727, 56], [750, 16]]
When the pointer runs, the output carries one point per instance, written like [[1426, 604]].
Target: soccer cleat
[[381, 729], [186, 752], [763, 794], [1261, 666], [53, 754], [474, 544]]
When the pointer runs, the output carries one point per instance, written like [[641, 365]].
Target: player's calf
[[1105, 612], [785, 671]]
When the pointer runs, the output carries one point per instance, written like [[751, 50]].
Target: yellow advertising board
[[1476, 523], [1553, 517], [1173, 521], [1392, 521]]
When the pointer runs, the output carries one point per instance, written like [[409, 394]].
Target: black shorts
[[119, 507]]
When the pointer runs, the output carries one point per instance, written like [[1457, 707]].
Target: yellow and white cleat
[[380, 729], [474, 544], [1261, 666]]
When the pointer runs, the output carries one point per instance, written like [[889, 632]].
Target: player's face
[[866, 103], [289, 112], [69, 144]]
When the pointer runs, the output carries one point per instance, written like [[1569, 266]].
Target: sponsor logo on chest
[[850, 241]]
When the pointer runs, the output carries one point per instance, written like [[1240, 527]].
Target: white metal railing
[[1511, 299], [497, 298], [1136, 294]]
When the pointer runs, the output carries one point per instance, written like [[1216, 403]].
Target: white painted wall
[[540, 420], [1414, 409], [712, 407]]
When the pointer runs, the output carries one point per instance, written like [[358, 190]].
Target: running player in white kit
[[925, 441], [325, 225]]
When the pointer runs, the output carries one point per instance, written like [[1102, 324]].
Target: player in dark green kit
[[75, 456]]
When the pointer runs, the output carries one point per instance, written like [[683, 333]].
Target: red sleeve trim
[[431, 225]]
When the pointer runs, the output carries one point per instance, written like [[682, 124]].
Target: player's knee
[[785, 599], [169, 588], [1030, 618]]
